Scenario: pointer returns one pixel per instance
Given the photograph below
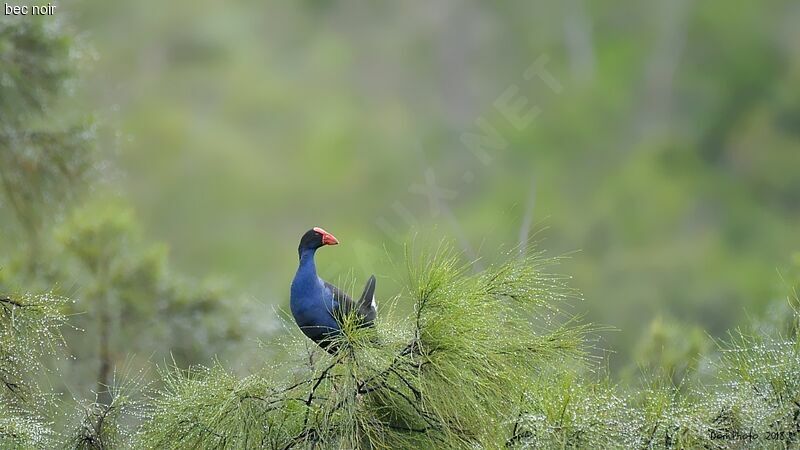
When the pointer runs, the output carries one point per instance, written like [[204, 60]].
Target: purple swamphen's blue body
[[318, 306]]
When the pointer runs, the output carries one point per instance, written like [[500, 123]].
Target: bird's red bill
[[327, 238]]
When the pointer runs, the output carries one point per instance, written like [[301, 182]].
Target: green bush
[[456, 373]]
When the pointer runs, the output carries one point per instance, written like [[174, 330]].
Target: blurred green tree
[[134, 303], [120, 279], [41, 163]]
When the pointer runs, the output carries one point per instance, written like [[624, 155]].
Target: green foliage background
[[668, 159], [159, 160]]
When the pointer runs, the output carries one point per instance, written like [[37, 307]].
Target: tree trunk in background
[[456, 19], [579, 42], [527, 219], [104, 382], [672, 18]]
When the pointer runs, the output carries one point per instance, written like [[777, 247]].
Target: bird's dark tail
[[366, 304]]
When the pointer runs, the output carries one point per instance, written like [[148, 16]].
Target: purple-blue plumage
[[312, 304], [316, 304]]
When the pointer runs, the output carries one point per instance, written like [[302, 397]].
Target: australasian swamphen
[[318, 307]]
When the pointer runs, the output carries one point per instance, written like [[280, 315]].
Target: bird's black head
[[316, 238]]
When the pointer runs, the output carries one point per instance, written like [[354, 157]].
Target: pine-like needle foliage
[[452, 375], [107, 425], [754, 403], [479, 363], [29, 329]]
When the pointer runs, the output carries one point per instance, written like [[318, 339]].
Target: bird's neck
[[307, 266]]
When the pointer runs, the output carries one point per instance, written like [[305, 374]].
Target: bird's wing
[[344, 303], [367, 308]]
